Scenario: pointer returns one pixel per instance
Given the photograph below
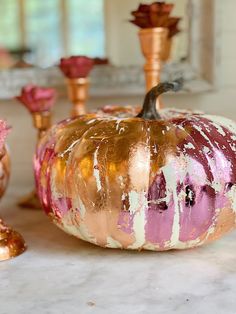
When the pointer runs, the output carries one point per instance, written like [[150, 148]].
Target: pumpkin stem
[[149, 110]]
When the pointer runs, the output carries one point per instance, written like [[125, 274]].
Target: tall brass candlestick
[[153, 42], [77, 89]]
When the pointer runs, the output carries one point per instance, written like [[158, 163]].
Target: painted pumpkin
[[4, 170], [155, 181], [4, 158], [11, 242]]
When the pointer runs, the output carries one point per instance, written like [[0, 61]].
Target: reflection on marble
[[59, 274]]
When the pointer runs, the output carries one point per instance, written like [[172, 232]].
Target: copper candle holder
[[77, 89], [42, 122], [38, 101], [153, 42], [156, 28], [12, 243], [76, 70]]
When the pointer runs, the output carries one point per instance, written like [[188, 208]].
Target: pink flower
[[4, 130], [37, 99], [76, 66]]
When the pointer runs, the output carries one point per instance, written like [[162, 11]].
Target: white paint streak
[[96, 171], [227, 123], [91, 121], [69, 149], [134, 201], [219, 129], [217, 186], [233, 147], [199, 129], [121, 180], [171, 188], [206, 150], [189, 145], [111, 243], [231, 194], [54, 185], [118, 123], [82, 231], [139, 221], [212, 228]]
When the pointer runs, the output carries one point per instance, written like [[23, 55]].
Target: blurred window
[[9, 24], [52, 28]]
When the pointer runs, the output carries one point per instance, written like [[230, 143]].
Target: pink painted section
[[197, 210], [125, 221], [159, 216], [61, 206]]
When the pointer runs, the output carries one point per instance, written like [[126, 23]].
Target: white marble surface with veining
[[59, 274]]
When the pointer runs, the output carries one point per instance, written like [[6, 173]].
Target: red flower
[[100, 61], [173, 26], [37, 99], [4, 130], [156, 14], [76, 66]]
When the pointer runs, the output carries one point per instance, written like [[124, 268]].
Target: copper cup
[[12, 243], [78, 93]]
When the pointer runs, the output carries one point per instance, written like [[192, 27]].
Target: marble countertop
[[62, 275]]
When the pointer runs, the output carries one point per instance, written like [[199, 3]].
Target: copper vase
[[12, 243], [153, 43], [78, 93]]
